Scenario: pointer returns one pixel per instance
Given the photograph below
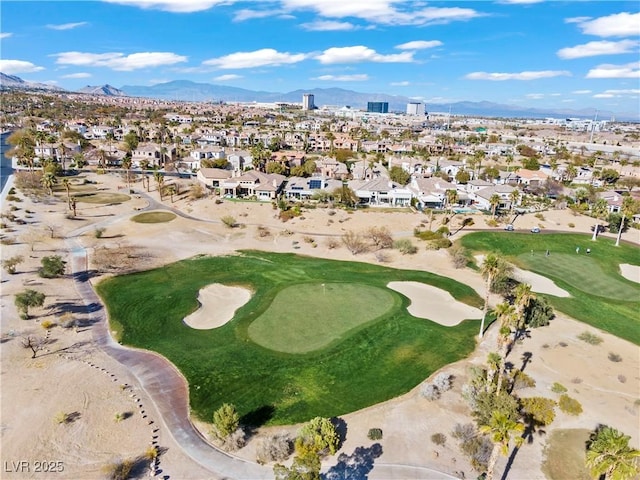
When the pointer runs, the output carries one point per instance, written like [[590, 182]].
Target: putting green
[[584, 273], [101, 197], [310, 316], [153, 217]]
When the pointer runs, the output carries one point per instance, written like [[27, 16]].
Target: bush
[[319, 436], [442, 381], [405, 247], [571, 225], [332, 243], [430, 392], [47, 324], [99, 232], [439, 439], [522, 380], [355, 243], [225, 420], [274, 448], [614, 357], [380, 237], [229, 221], [477, 448], [439, 243], [590, 338], [569, 405], [11, 263], [374, 434], [558, 388], [52, 267], [622, 378], [459, 256]]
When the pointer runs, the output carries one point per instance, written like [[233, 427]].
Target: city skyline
[[530, 53]]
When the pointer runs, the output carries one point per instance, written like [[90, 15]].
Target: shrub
[[439, 243], [229, 221], [539, 216], [99, 232], [430, 392], [522, 380], [319, 436], [405, 247], [151, 453], [120, 470], [477, 448], [354, 242], [622, 378], [558, 388], [47, 324], [571, 225], [590, 338], [67, 320], [332, 243], [459, 256], [442, 381], [307, 239], [11, 263], [225, 420], [380, 237], [374, 434], [576, 380], [274, 448], [439, 439], [234, 441], [569, 405], [614, 357], [52, 267]]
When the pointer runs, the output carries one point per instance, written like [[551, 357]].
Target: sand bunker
[[218, 305], [630, 272], [434, 303], [539, 283]]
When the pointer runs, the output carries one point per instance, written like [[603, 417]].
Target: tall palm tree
[[67, 187], [514, 196], [524, 297], [507, 317], [159, 181], [501, 429], [48, 181], [599, 210], [494, 201], [609, 455], [629, 208], [492, 267], [451, 197], [126, 164]]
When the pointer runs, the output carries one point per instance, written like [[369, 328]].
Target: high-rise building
[[307, 102], [415, 108], [378, 107]]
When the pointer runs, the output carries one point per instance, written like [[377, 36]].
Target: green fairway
[[372, 351], [600, 296], [101, 197], [309, 316], [153, 217]]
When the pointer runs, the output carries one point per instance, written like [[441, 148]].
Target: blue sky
[[570, 54]]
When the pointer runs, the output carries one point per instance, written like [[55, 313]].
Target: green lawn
[[600, 296], [153, 217], [361, 359], [101, 197]]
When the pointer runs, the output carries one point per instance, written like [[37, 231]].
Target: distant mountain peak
[[106, 89], [14, 82]]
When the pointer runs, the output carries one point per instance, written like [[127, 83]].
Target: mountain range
[[185, 90]]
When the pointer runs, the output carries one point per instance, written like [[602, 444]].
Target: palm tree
[[610, 456], [500, 429], [598, 210], [172, 191], [507, 317], [126, 164], [67, 187], [514, 196], [494, 201], [524, 297], [159, 181], [629, 208], [48, 181], [451, 197], [492, 268]]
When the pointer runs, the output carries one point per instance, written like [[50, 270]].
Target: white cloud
[[604, 95], [517, 76], [5, 35], [67, 26], [581, 92], [11, 67], [77, 75], [327, 26], [630, 70], [175, 6], [343, 78], [535, 96], [520, 2], [226, 78], [617, 25], [266, 57], [603, 47], [576, 19], [247, 14], [631, 91], [361, 54], [386, 12], [400, 84], [118, 61], [419, 45]]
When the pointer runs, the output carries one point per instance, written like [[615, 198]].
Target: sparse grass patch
[[558, 388], [101, 197], [614, 357], [564, 455], [374, 434], [439, 438], [569, 405], [590, 338]]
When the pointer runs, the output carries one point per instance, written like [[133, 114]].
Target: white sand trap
[[539, 283], [218, 305], [434, 303], [630, 272]]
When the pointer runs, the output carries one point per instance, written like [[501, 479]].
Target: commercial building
[[415, 108], [378, 107], [307, 102]]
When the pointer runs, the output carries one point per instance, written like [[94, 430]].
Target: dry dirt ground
[[73, 378]]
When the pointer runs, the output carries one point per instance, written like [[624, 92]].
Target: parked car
[[535, 230], [508, 228]]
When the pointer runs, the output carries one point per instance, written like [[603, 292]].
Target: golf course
[[318, 337], [600, 295]]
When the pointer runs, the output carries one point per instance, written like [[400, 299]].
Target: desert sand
[[74, 377], [218, 305], [434, 303]]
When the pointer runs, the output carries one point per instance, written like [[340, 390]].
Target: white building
[[307, 102], [415, 108]]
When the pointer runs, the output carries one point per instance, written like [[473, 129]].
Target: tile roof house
[[381, 191], [264, 186], [213, 177], [430, 191], [299, 188]]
